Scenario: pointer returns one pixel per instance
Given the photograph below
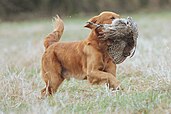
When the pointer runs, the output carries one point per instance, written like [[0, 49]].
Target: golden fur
[[86, 59]]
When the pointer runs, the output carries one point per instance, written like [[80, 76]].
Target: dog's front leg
[[95, 65], [110, 68], [99, 77]]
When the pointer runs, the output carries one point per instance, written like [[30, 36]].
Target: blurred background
[[26, 9]]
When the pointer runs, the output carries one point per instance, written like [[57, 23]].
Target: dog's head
[[103, 18]]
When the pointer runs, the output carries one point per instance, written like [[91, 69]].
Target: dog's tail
[[56, 34]]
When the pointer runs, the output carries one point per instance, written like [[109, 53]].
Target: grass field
[[146, 78]]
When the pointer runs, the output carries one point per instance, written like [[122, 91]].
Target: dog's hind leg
[[53, 81], [51, 74]]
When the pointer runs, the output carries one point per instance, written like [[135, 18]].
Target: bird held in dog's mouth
[[122, 34]]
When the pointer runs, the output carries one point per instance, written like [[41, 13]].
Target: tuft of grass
[[145, 78]]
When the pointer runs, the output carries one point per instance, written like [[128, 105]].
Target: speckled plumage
[[123, 34]]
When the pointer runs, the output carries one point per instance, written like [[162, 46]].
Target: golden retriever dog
[[85, 60]]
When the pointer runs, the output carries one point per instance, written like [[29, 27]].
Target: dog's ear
[[93, 20]]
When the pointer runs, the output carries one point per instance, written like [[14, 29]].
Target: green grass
[[146, 78]]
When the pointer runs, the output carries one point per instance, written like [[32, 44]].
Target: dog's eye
[[112, 18]]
